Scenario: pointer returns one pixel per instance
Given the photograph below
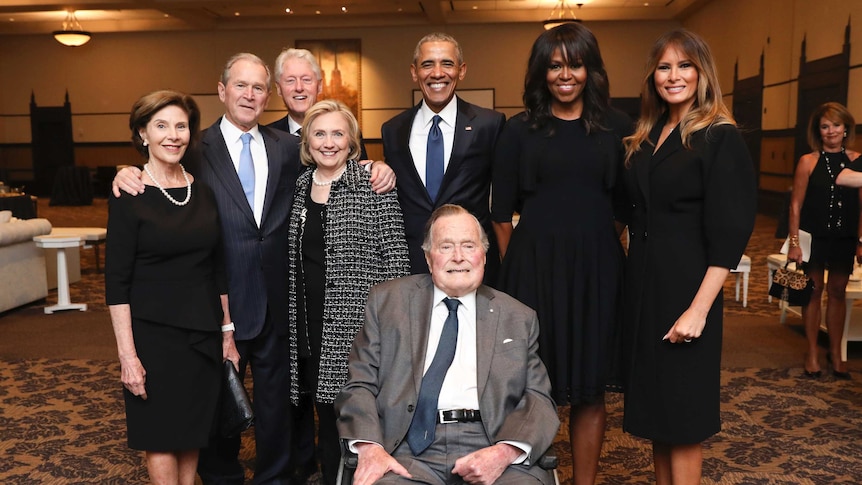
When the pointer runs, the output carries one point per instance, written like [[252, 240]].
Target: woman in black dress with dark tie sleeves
[[692, 186], [167, 294]]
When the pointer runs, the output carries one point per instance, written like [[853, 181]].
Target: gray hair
[[291, 53], [446, 210], [438, 37], [245, 56]]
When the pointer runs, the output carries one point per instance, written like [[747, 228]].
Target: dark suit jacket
[[387, 361], [283, 125], [255, 258], [467, 181]]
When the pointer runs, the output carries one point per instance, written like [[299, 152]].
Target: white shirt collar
[[292, 125], [449, 113], [231, 133], [468, 301]]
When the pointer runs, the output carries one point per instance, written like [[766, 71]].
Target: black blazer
[[467, 181], [255, 258]]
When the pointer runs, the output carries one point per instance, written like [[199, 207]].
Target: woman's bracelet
[[794, 241]]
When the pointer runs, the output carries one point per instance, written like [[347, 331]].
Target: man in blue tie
[[442, 149], [460, 394]]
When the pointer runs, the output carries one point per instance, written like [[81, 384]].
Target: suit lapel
[[462, 140], [487, 322], [419, 315], [402, 134], [270, 140], [217, 156]]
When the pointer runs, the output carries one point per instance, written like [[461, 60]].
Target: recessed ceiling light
[[317, 12], [288, 10], [236, 14], [11, 20], [343, 9], [475, 7]]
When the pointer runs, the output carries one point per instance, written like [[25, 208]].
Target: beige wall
[[743, 29], [107, 75]]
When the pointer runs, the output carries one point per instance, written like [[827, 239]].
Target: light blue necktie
[[420, 435], [434, 158], [246, 169]]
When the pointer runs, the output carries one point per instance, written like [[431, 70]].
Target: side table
[[60, 243]]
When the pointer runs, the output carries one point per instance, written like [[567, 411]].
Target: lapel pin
[[468, 128], [491, 310]]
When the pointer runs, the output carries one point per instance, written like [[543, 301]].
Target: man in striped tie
[[462, 393]]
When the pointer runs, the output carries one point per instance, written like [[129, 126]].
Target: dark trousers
[[269, 358], [328, 450]]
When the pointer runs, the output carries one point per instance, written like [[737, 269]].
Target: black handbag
[[236, 414], [792, 286]]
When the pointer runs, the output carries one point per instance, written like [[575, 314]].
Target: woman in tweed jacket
[[343, 239]]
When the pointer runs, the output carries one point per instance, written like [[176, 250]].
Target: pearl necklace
[[165, 192], [328, 182]]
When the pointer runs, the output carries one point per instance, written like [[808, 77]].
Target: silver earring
[[845, 134]]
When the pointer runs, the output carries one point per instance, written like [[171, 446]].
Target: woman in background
[[557, 164], [692, 186], [831, 214], [167, 294], [343, 239]]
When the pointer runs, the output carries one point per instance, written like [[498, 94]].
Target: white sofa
[[23, 277]]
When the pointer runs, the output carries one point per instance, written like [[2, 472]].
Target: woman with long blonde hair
[[692, 186]]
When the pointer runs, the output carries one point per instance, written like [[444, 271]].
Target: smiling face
[[456, 257], [437, 71], [298, 87], [676, 79], [245, 94], [167, 135], [329, 142], [566, 81], [831, 134]]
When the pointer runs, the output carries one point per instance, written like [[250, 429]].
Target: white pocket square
[[506, 340]]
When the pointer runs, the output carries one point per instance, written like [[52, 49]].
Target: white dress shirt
[[419, 134], [293, 126], [460, 389], [233, 141]]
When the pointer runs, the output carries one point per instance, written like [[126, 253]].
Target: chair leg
[[745, 289], [737, 285]]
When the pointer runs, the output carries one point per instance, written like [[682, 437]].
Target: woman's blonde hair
[[708, 108], [322, 108]]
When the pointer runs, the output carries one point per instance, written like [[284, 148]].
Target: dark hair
[[836, 113], [150, 104], [577, 45]]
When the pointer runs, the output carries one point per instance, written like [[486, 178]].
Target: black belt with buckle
[[458, 416]]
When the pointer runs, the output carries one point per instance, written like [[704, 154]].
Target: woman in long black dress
[[167, 294], [691, 181], [831, 215], [556, 164]]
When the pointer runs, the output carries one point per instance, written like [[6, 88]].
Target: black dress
[[564, 259], [691, 209], [831, 214], [165, 262]]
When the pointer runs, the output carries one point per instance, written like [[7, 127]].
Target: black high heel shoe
[[837, 373], [813, 374]]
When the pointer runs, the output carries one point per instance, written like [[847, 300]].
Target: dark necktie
[[421, 432], [246, 169], [434, 159], [298, 132]]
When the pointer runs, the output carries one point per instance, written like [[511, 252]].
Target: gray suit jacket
[[387, 362]]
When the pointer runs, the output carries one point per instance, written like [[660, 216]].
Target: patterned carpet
[[62, 421]]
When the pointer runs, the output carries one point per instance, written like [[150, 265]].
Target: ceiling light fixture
[[72, 34], [561, 14]]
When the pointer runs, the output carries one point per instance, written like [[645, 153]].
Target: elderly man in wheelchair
[[445, 385]]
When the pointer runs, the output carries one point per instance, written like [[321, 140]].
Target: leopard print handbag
[[792, 286]]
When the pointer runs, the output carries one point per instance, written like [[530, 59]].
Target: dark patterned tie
[[421, 432], [434, 159]]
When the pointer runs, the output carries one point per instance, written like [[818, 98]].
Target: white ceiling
[[43, 16]]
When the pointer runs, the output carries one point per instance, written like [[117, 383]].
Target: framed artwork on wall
[[341, 65]]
